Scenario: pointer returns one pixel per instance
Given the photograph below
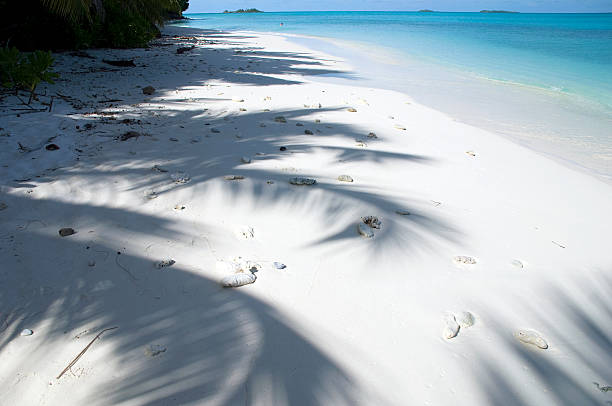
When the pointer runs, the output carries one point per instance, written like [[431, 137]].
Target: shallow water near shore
[[543, 79]]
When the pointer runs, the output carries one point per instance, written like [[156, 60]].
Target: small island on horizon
[[499, 11], [426, 10], [239, 11]]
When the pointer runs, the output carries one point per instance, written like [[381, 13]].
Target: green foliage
[[25, 70], [241, 10]]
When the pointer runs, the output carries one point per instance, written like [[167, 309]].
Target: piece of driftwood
[[120, 62], [74, 361]]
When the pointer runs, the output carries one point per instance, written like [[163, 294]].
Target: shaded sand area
[[360, 281]]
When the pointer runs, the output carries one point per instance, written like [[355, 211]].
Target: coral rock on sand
[[148, 90], [461, 259], [65, 232], [154, 350], [164, 263], [451, 327], [300, 181], [237, 280], [372, 221], [531, 337], [466, 319], [365, 230], [345, 178]]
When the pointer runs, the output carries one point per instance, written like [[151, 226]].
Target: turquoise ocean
[[545, 80]]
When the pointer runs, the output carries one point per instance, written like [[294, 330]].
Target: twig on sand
[[74, 361], [124, 268], [560, 245]]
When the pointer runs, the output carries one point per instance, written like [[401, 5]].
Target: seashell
[[237, 280], [300, 181], [65, 232], [451, 328], [26, 332], [365, 230], [531, 337], [517, 263], [154, 350], [164, 263], [345, 178], [466, 319], [279, 265], [460, 259], [180, 177]]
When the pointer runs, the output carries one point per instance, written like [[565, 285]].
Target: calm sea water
[[545, 79]]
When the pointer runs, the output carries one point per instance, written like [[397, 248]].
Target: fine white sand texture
[[376, 251]]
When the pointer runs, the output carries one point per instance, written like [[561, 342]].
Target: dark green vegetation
[[426, 11], [248, 10], [24, 71], [498, 11], [74, 24]]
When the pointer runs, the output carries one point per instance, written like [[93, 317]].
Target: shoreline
[[169, 193]]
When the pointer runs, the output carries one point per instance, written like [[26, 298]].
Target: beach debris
[[52, 147], [602, 388], [372, 135], [233, 177], [148, 90], [158, 168], [301, 181], [462, 259], [372, 221], [280, 119], [125, 63], [531, 337], [178, 207], [180, 177], [26, 332], [471, 153], [400, 127], [560, 245], [282, 149], [435, 203], [451, 327], [466, 319], [164, 263], [245, 160], [154, 350], [403, 212], [131, 134], [351, 110], [150, 194], [308, 132], [365, 230], [74, 361], [345, 178], [182, 50], [65, 232], [3, 206], [279, 265], [237, 99], [517, 263], [215, 131], [237, 280]]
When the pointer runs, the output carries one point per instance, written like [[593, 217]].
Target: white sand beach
[[198, 173]]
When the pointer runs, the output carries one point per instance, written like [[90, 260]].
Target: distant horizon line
[[413, 11]]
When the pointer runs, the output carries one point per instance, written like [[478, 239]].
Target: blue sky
[[551, 6]]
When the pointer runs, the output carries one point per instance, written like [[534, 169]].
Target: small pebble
[[26, 332], [154, 350], [158, 168], [345, 178], [531, 337], [237, 280], [351, 110], [308, 132], [283, 149], [299, 125], [517, 263], [243, 109], [3, 206], [300, 181], [150, 194], [52, 147], [372, 221], [460, 259], [372, 135], [148, 90], [233, 177], [466, 319], [245, 160], [214, 130], [91, 263], [180, 177], [451, 327], [179, 207], [280, 119], [402, 212], [365, 230], [65, 232]]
